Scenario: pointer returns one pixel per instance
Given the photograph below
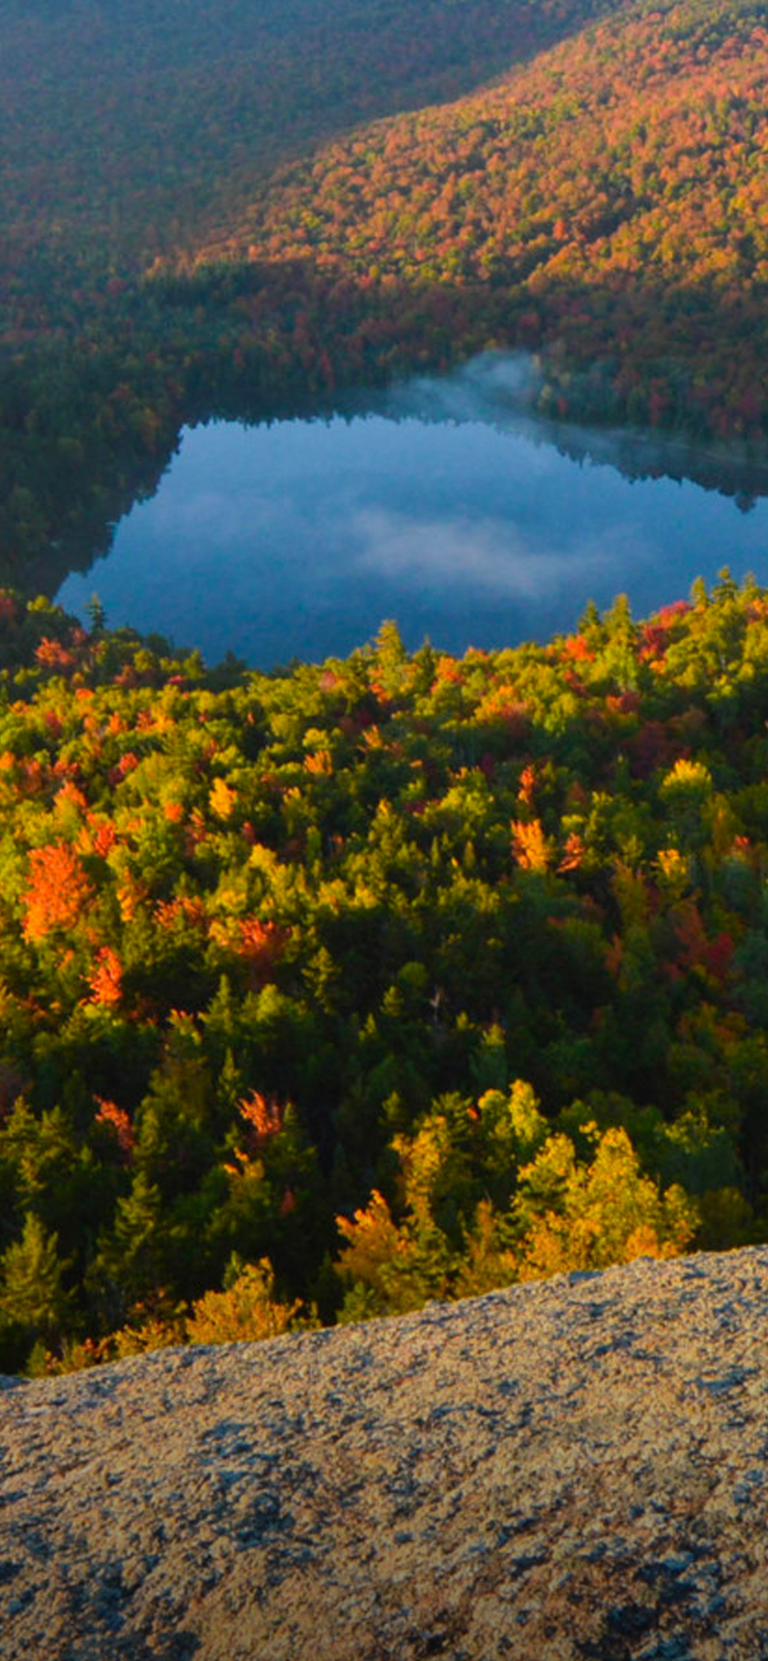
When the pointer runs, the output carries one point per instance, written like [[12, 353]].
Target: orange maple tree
[[57, 891]]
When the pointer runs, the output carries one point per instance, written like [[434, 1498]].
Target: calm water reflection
[[296, 539]]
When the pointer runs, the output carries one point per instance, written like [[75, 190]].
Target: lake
[[442, 503]]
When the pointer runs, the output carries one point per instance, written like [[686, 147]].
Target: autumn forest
[[331, 989]]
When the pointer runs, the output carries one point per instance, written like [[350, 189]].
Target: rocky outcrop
[[575, 1469]]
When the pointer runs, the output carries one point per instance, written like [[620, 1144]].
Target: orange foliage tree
[[57, 891]]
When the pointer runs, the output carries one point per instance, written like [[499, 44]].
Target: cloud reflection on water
[[485, 553]]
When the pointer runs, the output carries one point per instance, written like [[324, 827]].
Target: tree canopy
[[334, 989]]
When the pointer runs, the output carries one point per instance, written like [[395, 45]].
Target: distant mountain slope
[[130, 129], [612, 195], [232, 206], [572, 1471], [609, 194]]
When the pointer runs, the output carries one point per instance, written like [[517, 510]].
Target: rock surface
[[575, 1469]]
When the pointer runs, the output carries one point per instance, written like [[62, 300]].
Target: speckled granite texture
[[576, 1469]]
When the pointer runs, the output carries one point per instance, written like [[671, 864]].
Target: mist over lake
[[444, 503]]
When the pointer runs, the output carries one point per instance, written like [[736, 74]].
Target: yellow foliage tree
[[529, 845], [564, 1213], [222, 798], [246, 1310], [390, 1270], [574, 1216]]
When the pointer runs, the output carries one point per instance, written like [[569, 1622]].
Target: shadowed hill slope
[[129, 130], [569, 1470]]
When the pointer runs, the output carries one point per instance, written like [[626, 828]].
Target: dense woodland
[[331, 990]]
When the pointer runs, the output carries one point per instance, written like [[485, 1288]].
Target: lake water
[[442, 504]]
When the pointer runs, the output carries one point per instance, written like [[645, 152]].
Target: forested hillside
[[329, 991], [129, 130], [202, 218], [609, 202]]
